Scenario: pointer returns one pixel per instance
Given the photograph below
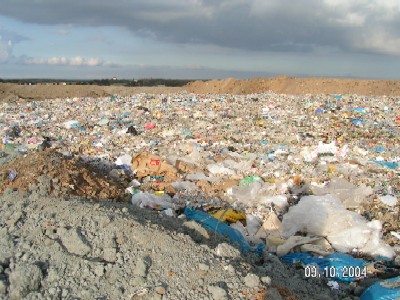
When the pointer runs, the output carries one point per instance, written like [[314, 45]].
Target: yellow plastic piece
[[229, 215]]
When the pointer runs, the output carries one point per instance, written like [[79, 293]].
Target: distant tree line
[[105, 82]]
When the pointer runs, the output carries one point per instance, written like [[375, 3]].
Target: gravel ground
[[70, 248]]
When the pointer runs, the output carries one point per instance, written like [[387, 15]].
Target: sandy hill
[[293, 85], [284, 85]]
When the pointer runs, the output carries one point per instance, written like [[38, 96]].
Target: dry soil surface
[[282, 85], [296, 86]]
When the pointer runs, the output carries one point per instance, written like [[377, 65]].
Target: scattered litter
[[12, 175], [292, 175]]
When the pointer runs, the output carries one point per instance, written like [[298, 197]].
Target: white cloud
[[261, 25], [379, 41], [74, 61]]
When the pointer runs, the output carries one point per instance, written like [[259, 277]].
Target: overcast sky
[[199, 38]]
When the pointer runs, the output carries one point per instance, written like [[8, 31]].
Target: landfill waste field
[[184, 195]]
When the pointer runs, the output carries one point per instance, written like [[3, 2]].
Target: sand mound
[[281, 85], [58, 175], [9, 91], [296, 86]]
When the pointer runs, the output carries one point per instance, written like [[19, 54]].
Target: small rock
[[52, 291], [142, 266], [65, 293], [204, 267], [53, 275], [98, 270], [110, 254], [229, 269], [251, 280], [160, 290], [226, 250], [266, 279], [217, 293], [24, 279], [138, 281], [200, 230], [125, 209], [73, 241], [114, 274], [6, 246]]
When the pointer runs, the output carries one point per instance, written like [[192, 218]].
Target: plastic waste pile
[[309, 178]]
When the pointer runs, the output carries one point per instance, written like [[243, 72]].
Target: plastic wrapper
[[223, 229], [350, 195], [388, 200], [326, 216], [219, 168], [184, 186], [152, 201]]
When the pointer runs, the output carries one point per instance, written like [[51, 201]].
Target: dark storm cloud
[[261, 25]]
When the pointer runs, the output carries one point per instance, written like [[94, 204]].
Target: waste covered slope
[[291, 191]]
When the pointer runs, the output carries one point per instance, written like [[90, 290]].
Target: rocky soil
[[69, 247]]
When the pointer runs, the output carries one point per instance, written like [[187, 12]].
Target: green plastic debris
[[248, 180]]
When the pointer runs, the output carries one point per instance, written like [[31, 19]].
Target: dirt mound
[[281, 85], [296, 86], [57, 175], [9, 91]]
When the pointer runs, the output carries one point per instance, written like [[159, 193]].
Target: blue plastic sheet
[[223, 229], [384, 290], [359, 122], [390, 165], [378, 149], [360, 110], [125, 168], [337, 266]]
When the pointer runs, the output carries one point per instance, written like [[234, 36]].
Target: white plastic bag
[[153, 201], [124, 160], [326, 216]]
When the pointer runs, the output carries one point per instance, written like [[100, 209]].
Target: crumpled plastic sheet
[[343, 267], [345, 230], [223, 229], [383, 290], [390, 165]]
